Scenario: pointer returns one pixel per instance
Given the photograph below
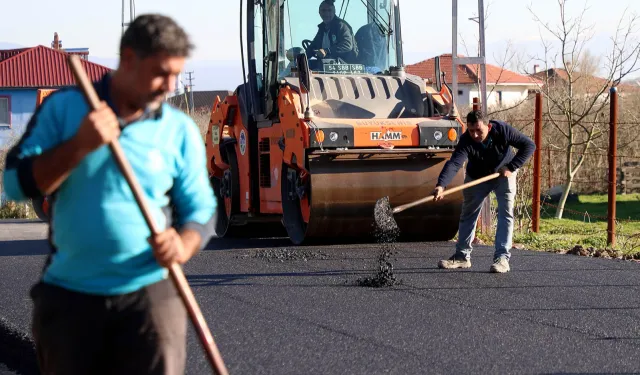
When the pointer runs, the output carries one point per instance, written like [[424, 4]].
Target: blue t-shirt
[[98, 233]]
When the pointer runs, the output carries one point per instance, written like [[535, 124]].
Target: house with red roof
[[583, 83], [504, 87], [24, 71]]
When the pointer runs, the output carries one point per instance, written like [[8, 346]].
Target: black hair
[[150, 34], [474, 116], [329, 2]]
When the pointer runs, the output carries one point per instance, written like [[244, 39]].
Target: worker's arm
[[40, 162], [192, 194], [53, 167], [451, 167], [41, 135], [524, 144]]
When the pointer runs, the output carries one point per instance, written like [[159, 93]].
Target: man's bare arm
[[191, 240]]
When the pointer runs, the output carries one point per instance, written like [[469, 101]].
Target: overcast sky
[[216, 62]]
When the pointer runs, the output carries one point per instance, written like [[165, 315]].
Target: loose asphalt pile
[[283, 254], [387, 233]]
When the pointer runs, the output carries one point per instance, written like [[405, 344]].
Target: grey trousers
[[137, 333]]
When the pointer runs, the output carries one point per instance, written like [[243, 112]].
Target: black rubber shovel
[[383, 213]]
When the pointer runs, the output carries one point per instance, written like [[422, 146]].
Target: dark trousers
[[137, 333]]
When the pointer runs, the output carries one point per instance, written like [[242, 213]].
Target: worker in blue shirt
[[104, 303], [488, 149]]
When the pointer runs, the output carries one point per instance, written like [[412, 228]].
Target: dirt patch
[[600, 253]]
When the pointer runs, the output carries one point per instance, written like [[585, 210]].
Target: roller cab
[[308, 144]]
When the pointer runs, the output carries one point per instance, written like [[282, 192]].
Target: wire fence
[[573, 179]]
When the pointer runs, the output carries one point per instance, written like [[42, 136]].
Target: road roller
[[325, 123]]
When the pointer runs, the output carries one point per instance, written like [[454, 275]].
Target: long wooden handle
[[175, 271], [446, 192]]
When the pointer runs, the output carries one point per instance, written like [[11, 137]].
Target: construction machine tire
[[337, 202], [227, 194]]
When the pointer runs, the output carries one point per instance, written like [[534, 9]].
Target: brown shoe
[[454, 262]]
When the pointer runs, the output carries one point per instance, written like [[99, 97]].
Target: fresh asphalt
[[274, 313]]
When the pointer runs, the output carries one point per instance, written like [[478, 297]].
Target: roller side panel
[[270, 161]]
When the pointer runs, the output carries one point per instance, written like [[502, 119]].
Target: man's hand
[[504, 172], [168, 248], [438, 193], [98, 128]]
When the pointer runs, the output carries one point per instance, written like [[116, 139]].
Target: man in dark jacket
[[487, 147], [335, 37]]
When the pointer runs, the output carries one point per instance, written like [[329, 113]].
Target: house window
[[460, 92], [5, 111], [499, 97]]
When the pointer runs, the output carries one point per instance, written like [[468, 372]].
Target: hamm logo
[[388, 136]]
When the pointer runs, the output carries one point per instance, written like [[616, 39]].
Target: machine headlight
[[452, 134], [333, 136]]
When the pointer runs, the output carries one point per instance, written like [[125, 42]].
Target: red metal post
[[613, 144], [549, 166], [535, 217]]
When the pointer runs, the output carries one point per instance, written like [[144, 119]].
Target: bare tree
[[575, 99]]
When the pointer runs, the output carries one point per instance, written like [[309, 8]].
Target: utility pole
[[191, 106], [485, 213], [478, 60], [132, 15]]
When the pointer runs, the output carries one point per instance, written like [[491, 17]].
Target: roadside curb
[[17, 350]]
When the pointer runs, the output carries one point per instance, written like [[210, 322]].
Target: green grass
[[585, 223], [13, 210]]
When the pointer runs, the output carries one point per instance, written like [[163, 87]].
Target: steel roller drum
[[345, 188]]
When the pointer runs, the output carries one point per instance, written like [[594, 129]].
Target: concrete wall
[[22, 104], [510, 94]]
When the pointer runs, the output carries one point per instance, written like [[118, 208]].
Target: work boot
[[500, 265], [454, 262]]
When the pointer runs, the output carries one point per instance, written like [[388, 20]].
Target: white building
[[504, 87]]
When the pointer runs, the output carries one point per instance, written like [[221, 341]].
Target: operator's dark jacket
[[488, 157], [343, 42]]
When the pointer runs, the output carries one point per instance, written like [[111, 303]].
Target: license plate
[[343, 68]]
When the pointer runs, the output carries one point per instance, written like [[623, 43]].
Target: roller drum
[[344, 189]]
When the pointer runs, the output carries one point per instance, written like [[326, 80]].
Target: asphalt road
[[552, 314]]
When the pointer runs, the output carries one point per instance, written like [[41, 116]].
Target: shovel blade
[[383, 214]]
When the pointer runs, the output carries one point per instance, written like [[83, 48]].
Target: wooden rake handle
[[175, 270], [446, 192]]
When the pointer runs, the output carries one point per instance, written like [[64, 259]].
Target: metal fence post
[[535, 216], [549, 183], [613, 143]]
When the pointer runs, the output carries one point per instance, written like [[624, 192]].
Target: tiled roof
[[589, 82], [467, 74], [201, 99], [41, 67]]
